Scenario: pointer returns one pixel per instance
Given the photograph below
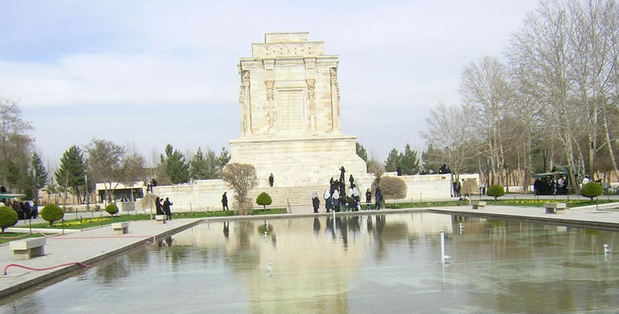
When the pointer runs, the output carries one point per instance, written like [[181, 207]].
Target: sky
[[149, 73]]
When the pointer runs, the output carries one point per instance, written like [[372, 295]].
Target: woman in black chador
[[315, 202], [224, 202], [158, 210], [167, 209]]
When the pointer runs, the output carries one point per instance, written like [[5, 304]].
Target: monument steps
[[293, 196]]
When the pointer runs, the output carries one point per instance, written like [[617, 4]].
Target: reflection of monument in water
[[290, 114], [305, 266]]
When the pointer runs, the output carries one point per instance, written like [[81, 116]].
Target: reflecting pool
[[355, 264]]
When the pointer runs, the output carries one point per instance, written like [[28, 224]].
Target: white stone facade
[[290, 114], [289, 88]]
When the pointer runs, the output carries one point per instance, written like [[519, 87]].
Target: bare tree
[[541, 49], [451, 132], [105, 164], [241, 178], [486, 90], [15, 146], [376, 168], [132, 170]]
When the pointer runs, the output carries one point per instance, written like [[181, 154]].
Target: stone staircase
[[293, 196]]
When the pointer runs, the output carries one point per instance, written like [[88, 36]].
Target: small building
[[121, 192]]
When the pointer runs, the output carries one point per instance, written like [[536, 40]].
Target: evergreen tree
[[39, 175], [222, 159], [432, 159], [72, 169], [197, 166], [393, 161], [175, 166], [361, 151], [409, 162], [204, 166]]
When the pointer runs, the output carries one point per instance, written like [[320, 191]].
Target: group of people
[[336, 198], [550, 186], [164, 207], [334, 201], [24, 210]]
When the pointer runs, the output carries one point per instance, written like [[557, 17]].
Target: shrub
[[265, 229], [111, 209], [496, 191], [52, 213], [241, 178], [591, 190], [264, 199], [8, 217], [392, 187]]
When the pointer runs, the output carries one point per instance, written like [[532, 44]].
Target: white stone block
[[121, 227], [28, 248]]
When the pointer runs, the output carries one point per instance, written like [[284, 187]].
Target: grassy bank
[[12, 236], [99, 221], [506, 202], [541, 202]]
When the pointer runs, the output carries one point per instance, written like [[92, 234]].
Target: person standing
[[167, 209], [35, 210], [354, 195], [335, 197], [158, 210], [315, 202], [368, 196], [379, 198], [224, 201], [27, 209], [327, 197]]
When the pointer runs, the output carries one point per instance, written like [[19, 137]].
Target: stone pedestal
[[308, 161]]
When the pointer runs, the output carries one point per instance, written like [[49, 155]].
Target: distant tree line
[[21, 168], [101, 161], [551, 101], [406, 162], [174, 167]]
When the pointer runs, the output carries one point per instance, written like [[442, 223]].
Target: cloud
[[97, 79], [398, 58]]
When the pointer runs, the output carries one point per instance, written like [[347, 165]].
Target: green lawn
[[541, 202], [425, 204], [99, 221], [12, 236], [510, 202]]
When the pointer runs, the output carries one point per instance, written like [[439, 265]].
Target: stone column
[[271, 112], [311, 100], [245, 101], [335, 101]]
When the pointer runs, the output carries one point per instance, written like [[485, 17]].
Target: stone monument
[[290, 132], [290, 114]]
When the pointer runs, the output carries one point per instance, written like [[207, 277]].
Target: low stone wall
[[199, 195], [431, 187], [206, 194]]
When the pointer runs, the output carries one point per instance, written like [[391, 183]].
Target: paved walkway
[[85, 247], [584, 216]]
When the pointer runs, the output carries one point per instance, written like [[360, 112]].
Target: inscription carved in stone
[[289, 88]]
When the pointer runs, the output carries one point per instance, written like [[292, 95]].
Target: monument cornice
[[259, 59], [294, 139]]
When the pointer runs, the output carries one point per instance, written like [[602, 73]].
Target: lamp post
[[87, 193]]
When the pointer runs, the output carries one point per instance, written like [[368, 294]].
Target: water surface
[[361, 264]]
